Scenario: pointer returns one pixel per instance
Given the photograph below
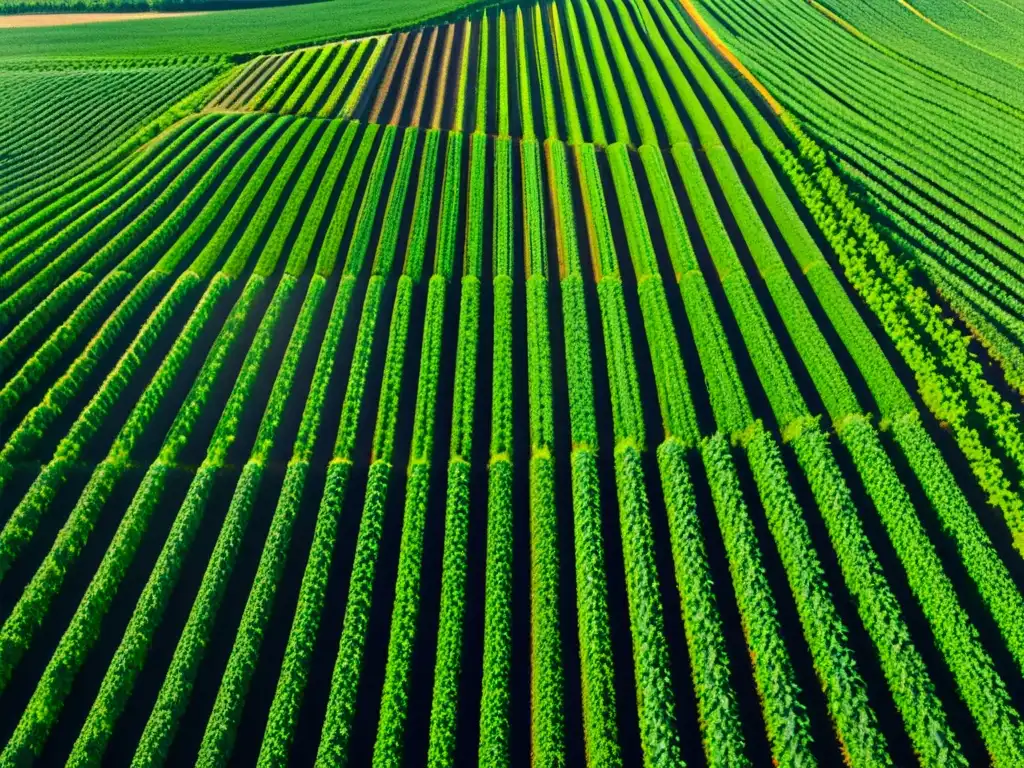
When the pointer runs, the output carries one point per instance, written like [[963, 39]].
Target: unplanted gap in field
[[415, 71], [597, 48], [467, 723], [421, 668], [960, 719], [686, 714], [83, 691], [429, 79], [375, 657], [389, 90], [618, 603], [562, 453], [312, 713], [450, 94]]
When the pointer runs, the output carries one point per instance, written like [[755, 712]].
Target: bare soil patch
[[18, 21]]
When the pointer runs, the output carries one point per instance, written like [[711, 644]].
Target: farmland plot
[[505, 390]]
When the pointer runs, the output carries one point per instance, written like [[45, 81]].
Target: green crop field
[[587, 382]]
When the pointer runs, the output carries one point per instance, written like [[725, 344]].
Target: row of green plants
[[659, 736], [221, 728], [49, 577], [126, 541], [547, 685], [110, 276], [950, 380], [877, 606], [599, 713], [76, 117], [132, 652], [495, 731], [856, 725], [28, 226], [785, 719], [549, 115], [23, 522], [295, 667], [981, 687], [452, 612], [176, 688], [83, 630], [337, 726], [895, 405], [978, 219], [388, 748], [37, 271], [18, 631]]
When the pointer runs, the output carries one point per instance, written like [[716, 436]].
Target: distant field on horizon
[[252, 30]]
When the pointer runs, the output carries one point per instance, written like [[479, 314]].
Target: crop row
[[655, 695], [83, 630], [176, 689], [333, 749], [452, 611]]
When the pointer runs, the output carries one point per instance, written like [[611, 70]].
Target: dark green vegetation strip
[[722, 487]]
